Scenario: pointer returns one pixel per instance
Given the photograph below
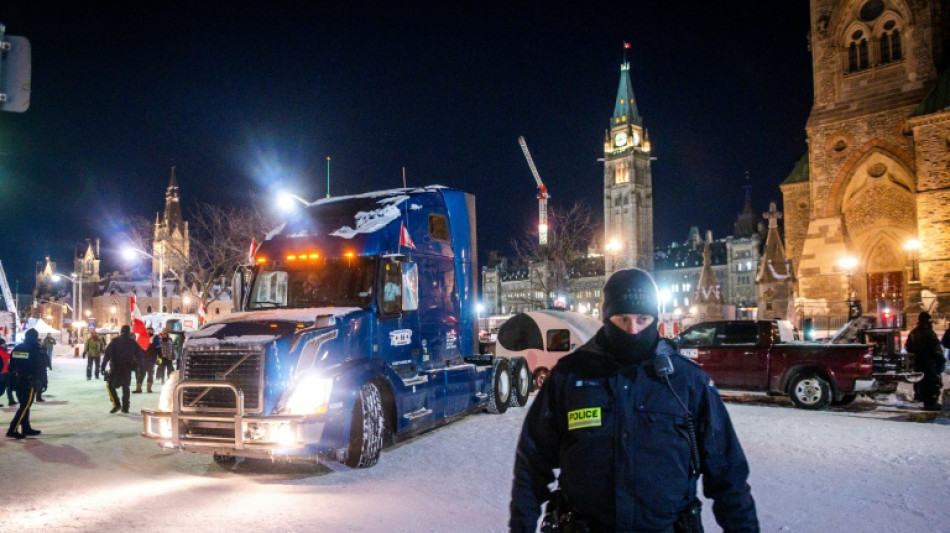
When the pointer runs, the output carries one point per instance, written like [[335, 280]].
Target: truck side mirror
[[237, 289]]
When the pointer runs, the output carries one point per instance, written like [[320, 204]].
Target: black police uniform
[[621, 440], [28, 374], [928, 358], [124, 354]]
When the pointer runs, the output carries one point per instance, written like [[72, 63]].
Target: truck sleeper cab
[[358, 329]]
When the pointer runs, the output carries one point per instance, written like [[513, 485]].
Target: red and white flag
[[138, 325], [404, 238], [252, 251], [626, 45], [201, 313]]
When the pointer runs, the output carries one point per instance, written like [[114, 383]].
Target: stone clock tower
[[628, 185]]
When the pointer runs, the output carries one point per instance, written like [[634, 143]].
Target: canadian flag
[[252, 250], [138, 325], [201, 313], [404, 238]]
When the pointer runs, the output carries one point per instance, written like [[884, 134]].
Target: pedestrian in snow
[[928, 358], [48, 343], [5, 384], [93, 354], [631, 424], [28, 369], [123, 353], [166, 360], [147, 368]]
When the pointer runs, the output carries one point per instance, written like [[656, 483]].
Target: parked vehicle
[[543, 337], [892, 364], [766, 355], [358, 330]]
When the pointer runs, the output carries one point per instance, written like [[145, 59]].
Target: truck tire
[[500, 394], [366, 431], [521, 381], [810, 391], [845, 399]]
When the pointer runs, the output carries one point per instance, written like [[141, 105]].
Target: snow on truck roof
[[370, 211]]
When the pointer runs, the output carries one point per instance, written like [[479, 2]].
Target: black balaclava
[[631, 291], [31, 336]]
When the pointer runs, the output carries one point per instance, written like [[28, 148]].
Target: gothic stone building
[[878, 162]]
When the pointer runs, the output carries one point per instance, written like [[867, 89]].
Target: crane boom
[[542, 194]]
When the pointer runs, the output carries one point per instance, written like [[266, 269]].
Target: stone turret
[[707, 298], [776, 278]]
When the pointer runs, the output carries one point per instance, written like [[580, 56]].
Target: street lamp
[[664, 296], [912, 246], [130, 254], [848, 263], [288, 201]]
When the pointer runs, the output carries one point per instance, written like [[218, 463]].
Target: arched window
[[148, 309], [891, 49], [858, 51]]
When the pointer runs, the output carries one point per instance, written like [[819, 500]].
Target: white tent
[[40, 326]]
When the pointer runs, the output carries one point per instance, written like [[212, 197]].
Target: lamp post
[[913, 246], [76, 280], [612, 248], [914, 303], [130, 253], [848, 263], [664, 297]]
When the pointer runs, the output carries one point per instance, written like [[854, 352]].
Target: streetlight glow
[[288, 201], [131, 252]]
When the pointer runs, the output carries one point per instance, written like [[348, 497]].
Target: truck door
[[743, 359], [399, 343]]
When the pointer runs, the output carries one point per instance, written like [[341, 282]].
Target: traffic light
[[15, 72]]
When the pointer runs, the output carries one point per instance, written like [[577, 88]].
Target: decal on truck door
[[400, 337]]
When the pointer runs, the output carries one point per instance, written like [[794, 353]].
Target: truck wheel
[[500, 393], [540, 375], [521, 381], [810, 391], [366, 431], [224, 460], [845, 399]]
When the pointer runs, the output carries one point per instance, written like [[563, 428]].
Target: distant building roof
[[799, 173]]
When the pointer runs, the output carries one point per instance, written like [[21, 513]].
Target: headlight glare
[[311, 396]]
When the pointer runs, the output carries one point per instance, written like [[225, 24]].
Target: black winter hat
[[630, 291], [31, 335], [924, 318]]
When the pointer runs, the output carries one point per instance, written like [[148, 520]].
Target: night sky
[[247, 98]]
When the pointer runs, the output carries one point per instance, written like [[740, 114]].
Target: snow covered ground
[[852, 470]]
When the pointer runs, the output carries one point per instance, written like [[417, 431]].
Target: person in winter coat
[[631, 424], [124, 353], [48, 343], [166, 363], [928, 358], [28, 369], [5, 384], [147, 369], [92, 351]]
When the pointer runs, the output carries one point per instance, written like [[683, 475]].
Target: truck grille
[[241, 366]]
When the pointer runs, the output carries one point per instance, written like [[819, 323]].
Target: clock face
[[636, 139], [621, 139]]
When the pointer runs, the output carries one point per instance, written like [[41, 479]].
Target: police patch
[[583, 418], [20, 355]]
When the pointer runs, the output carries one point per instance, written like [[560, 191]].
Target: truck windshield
[[331, 282]]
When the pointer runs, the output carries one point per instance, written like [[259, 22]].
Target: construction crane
[[542, 195], [10, 303]]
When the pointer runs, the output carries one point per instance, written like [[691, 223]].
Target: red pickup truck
[[766, 355]]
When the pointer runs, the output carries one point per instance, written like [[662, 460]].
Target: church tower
[[628, 184], [171, 239]]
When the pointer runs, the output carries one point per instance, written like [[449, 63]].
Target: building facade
[[876, 191]]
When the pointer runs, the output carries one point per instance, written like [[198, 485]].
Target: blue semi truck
[[357, 328]]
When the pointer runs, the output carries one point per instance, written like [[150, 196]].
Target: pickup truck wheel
[[366, 431], [810, 391], [845, 399], [500, 394], [540, 375], [521, 380]]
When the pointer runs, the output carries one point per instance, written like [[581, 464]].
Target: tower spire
[[625, 106]]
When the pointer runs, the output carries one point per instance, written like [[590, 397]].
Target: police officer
[[28, 373], [928, 358], [631, 424], [124, 354]]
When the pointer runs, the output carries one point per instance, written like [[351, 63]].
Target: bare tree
[[220, 239], [552, 268]]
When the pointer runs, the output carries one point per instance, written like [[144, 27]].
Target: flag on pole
[[404, 238], [201, 313], [138, 325], [252, 251], [626, 45]]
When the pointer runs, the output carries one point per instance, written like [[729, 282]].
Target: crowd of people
[[23, 370]]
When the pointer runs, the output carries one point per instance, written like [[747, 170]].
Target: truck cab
[[358, 329]]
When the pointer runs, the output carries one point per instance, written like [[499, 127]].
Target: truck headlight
[[166, 400], [311, 396]]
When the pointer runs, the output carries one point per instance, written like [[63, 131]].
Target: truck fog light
[[254, 431], [164, 428]]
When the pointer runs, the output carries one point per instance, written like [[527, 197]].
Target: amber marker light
[[348, 254], [261, 259], [314, 256], [292, 257]]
